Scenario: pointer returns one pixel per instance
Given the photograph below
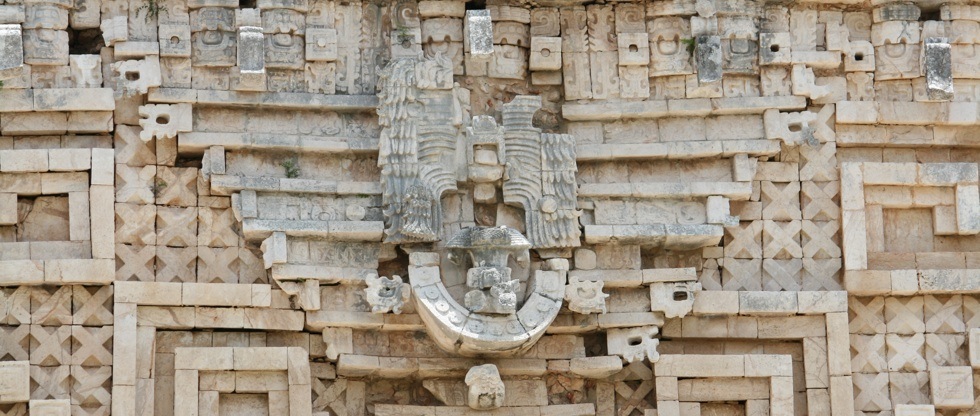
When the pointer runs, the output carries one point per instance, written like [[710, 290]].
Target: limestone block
[[819, 302], [8, 208], [260, 359], [693, 365], [114, 29], [24, 160], [860, 56], [605, 74], [12, 47], [64, 182], [103, 169], [79, 271], [204, 358], [16, 381], [74, 99], [185, 392], [715, 303], [634, 49], [174, 40], [596, 367], [216, 228], [775, 48], [576, 74], [545, 53], [768, 303], [67, 160], [952, 387], [674, 299], [102, 215], [915, 410], [768, 365], [895, 32], [967, 209], [274, 249], [52, 407]]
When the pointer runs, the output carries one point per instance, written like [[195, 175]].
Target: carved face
[[44, 15], [666, 34]]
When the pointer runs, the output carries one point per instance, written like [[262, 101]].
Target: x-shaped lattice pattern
[[218, 265], [944, 314], [50, 345], [176, 264], [742, 274], [871, 392], [904, 315], [177, 226], [945, 350], [91, 345], [818, 163], [781, 201], [821, 274], [820, 239], [782, 274], [135, 184], [867, 315], [50, 382], [868, 353], [15, 343], [909, 388], [818, 201], [744, 241], [216, 228], [15, 306], [51, 305], [135, 224], [135, 263], [781, 240], [905, 352], [91, 386]]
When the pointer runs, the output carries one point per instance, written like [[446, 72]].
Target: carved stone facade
[[449, 207]]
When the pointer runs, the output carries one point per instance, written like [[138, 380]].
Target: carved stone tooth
[[939, 69], [479, 31], [707, 58], [11, 51]]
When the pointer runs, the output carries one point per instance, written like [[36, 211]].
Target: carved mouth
[[740, 46], [284, 40], [668, 47], [212, 37]]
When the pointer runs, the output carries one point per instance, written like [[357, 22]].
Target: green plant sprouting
[[291, 167], [690, 43], [152, 8], [158, 187]]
